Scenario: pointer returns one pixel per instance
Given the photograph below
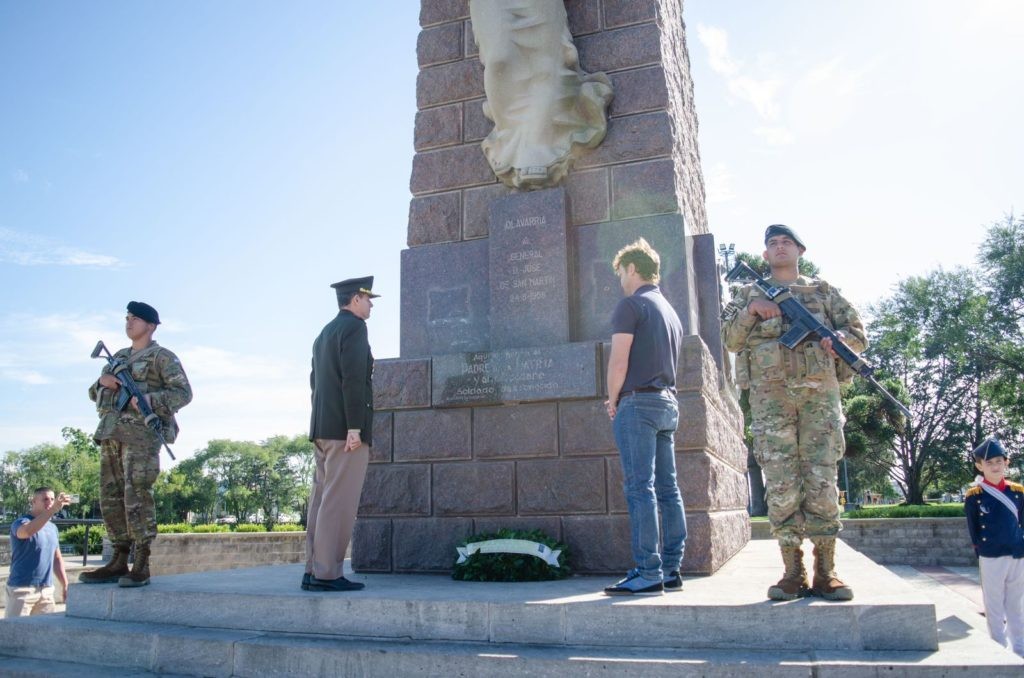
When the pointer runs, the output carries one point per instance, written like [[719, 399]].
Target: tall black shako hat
[[989, 449], [144, 311], [782, 229], [354, 285]]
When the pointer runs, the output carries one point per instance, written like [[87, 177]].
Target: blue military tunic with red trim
[[995, 531]]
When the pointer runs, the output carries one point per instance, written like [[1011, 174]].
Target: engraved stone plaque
[[516, 375], [445, 299], [529, 270]]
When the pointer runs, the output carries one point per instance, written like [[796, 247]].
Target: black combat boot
[[139, 576], [826, 583], [109, 573], [793, 584]]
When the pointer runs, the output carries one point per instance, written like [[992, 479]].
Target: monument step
[[724, 611], [57, 646]]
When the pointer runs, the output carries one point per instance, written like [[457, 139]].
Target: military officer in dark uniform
[[341, 429]]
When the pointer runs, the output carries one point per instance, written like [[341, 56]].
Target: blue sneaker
[[635, 585], [673, 581]]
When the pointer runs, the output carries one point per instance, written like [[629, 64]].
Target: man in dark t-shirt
[[35, 557], [646, 336]]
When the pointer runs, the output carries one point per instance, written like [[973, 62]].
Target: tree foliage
[[73, 467]]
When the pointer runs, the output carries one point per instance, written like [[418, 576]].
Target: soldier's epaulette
[[822, 285], [1016, 487], [973, 491]]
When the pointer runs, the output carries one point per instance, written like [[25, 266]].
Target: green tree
[[928, 336]]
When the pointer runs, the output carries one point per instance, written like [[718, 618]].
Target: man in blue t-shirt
[[646, 336], [35, 556]]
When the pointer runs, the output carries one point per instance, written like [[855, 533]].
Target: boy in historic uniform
[[995, 509]]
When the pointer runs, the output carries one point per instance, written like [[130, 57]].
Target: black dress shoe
[[305, 581], [339, 584]]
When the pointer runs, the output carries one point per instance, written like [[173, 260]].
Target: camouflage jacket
[[159, 374], [763, 358]]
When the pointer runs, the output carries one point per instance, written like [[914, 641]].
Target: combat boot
[[139, 576], [826, 583], [794, 581], [109, 573]]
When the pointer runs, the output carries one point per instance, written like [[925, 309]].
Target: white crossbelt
[[1002, 498]]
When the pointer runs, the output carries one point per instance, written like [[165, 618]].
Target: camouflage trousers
[[798, 441], [127, 473]]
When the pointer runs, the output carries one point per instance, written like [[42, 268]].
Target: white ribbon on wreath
[[517, 546]]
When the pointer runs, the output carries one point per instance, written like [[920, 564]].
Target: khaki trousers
[[23, 601], [333, 503]]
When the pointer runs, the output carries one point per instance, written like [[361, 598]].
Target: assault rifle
[[803, 323], [129, 389]]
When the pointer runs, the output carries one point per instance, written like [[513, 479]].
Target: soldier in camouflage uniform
[[130, 450], [797, 417]]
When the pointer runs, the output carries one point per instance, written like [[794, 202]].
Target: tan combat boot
[[109, 573], [826, 583], [139, 576], [794, 582]]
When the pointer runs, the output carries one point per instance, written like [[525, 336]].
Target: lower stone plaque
[[516, 375]]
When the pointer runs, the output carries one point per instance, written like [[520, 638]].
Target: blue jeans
[[645, 426]]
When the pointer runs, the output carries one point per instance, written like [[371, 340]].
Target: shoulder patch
[[973, 491], [1016, 487]]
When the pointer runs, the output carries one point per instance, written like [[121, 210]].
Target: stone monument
[[492, 417]]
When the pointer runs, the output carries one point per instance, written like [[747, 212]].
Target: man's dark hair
[[345, 298], [42, 490]]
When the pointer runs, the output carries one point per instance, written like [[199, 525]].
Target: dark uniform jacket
[[994, 530], [341, 380]]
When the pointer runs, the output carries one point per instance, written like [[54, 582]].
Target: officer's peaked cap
[[355, 285]]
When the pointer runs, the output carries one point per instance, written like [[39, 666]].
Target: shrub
[[909, 511], [249, 527], [204, 529], [75, 536], [289, 527], [511, 566], [174, 528]]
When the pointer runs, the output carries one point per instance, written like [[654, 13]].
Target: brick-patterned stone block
[[588, 196], [644, 188], [623, 48], [435, 218], [598, 544], [371, 545], [561, 486], [584, 16], [383, 425], [702, 427], [697, 370], [396, 489], [516, 431], [709, 484], [432, 434], [428, 544], [474, 488], [549, 525], [439, 11], [469, 40], [436, 127], [713, 538], [634, 137], [624, 12], [401, 383], [439, 44], [616, 492], [638, 91], [447, 83], [449, 168], [584, 428], [475, 124], [476, 204]]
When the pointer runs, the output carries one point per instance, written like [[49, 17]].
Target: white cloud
[[27, 249], [759, 92], [775, 136], [20, 176], [718, 184]]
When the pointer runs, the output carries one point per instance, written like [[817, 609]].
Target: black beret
[[782, 229], [354, 285], [144, 311], [989, 449]]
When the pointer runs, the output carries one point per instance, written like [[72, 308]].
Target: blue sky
[[226, 161]]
